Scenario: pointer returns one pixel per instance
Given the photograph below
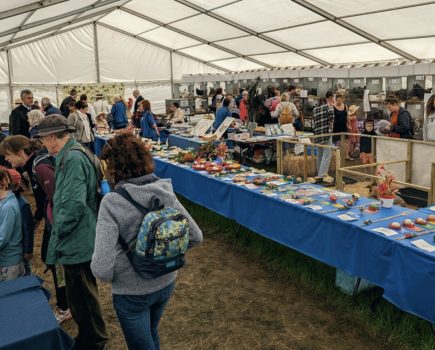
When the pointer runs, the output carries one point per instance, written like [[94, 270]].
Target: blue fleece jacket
[[11, 250], [119, 114]]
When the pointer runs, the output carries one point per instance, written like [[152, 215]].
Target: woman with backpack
[[285, 107], [142, 272]]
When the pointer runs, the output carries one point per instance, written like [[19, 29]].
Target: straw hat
[[353, 109]]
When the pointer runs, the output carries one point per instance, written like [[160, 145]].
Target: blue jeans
[[139, 316], [323, 157]]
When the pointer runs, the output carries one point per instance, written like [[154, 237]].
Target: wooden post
[[338, 173], [279, 156], [343, 154], [431, 196], [408, 172], [305, 162], [374, 145]]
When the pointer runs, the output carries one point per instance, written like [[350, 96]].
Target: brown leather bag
[[286, 116]]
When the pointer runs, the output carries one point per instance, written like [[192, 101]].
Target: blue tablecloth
[[184, 142], [26, 319], [405, 272]]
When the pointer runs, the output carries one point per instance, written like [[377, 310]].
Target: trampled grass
[[400, 329]]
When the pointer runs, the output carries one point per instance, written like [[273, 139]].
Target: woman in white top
[[285, 102], [429, 120], [81, 123], [177, 116], [101, 105]]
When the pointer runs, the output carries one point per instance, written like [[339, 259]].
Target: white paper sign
[[310, 79], [184, 103], [395, 81], [303, 93], [375, 81], [288, 129], [251, 186], [424, 245], [296, 80], [314, 207], [223, 127], [385, 231], [340, 81], [419, 77], [346, 217], [285, 81], [201, 128], [324, 79], [357, 81], [375, 105], [274, 80], [417, 106]]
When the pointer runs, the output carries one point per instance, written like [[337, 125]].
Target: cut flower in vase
[[386, 186]]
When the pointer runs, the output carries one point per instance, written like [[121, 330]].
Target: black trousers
[[82, 296], [60, 291]]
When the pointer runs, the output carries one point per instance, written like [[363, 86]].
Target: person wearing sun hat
[[352, 127], [73, 233]]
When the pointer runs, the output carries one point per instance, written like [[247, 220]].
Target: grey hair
[[45, 101]]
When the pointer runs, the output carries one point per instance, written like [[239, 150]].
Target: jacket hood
[[143, 189]]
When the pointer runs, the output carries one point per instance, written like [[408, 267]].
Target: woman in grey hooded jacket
[[139, 303]]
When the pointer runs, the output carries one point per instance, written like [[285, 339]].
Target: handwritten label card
[[385, 231], [419, 243]]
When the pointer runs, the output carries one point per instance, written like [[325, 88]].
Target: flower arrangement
[[386, 186]]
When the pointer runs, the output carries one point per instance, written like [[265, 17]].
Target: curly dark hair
[[126, 157]]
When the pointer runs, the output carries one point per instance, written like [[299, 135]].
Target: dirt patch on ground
[[223, 300]]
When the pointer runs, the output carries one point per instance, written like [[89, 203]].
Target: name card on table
[[385, 231], [422, 244]]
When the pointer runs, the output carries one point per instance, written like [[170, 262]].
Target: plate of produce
[[198, 166], [213, 168]]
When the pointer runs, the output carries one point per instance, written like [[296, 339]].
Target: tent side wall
[[69, 58]]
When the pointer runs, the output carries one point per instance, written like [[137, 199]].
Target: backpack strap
[[155, 206]]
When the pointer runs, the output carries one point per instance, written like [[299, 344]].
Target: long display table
[[26, 319], [405, 272]]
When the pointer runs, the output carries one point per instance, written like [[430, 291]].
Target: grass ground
[[242, 291], [392, 327]]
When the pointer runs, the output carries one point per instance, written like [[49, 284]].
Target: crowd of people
[[82, 230], [50, 150]]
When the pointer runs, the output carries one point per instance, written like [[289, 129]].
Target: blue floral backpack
[[162, 240]]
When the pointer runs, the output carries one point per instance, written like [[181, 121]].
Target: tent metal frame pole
[[354, 29], [11, 90], [30, 7], [59, 26], [57, 17], [189, 35], [163, 47], [96, 53], [251, 32], [172, 73]]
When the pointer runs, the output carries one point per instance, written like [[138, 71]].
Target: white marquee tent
[[150, 44]]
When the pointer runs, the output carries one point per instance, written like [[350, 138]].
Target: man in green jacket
[[73, 233]]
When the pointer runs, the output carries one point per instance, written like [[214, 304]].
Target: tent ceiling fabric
[[239, 34]]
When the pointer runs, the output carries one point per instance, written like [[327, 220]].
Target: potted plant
[[386, 187]]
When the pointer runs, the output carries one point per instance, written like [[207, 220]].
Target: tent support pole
[[11, 90], [97, 58], [172, 73]]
